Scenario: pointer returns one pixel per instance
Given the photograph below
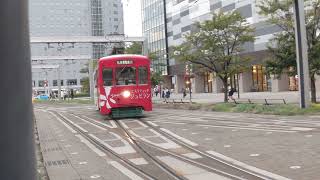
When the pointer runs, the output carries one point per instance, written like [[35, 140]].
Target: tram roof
[[123, 56]]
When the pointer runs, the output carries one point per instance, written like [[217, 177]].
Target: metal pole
[[59, 84], [238, 86], [91, 80], [302, 53], [16, 129]]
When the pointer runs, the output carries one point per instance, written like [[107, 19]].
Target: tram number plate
[[125, 62]]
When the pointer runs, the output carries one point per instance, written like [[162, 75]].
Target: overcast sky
[[132, 17]]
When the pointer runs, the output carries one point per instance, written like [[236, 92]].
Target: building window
[[260, 81], [107, 77], [208, 82], [71, 82], [55, 82], [126, 76], [143, 75], [293, 83], [41, 83]]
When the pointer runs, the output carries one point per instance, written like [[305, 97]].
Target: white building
[[60, 19]]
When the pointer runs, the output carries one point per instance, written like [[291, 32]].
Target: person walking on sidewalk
[[184, 92], [231, 92]]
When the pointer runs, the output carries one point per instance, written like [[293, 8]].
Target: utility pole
[[59, 83], [16, 129], [91, 80], [302, 53]]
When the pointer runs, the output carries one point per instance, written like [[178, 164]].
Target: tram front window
[[126, 76], [107, 77]]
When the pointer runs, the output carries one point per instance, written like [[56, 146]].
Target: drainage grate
[[52, 149], [57, 163]]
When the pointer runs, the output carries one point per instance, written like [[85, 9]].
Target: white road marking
[[91, 146], [301, 129], [62, 140], [308, 136], [192, 155], [189, 171], [124, 125], [207, 139], [62, 122], [246, 166], [139, 161], [194, 133], [254, 129], [184, 129], [99, 127], [206, 127], [295, 167], [254, 155], [167, 145], [71, 122], [125, 149], [95, 176], [74, 153], [125, 171], [268, 132], [68, 145], [113, 124], [227, 146], [139, 122], [234, 130], [152, 124], [179, 137], [83, 163]]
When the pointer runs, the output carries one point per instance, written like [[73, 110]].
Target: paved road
[[177, 144]]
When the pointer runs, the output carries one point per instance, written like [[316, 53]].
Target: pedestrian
[[71, 93], [156, 91], [163, 93], [184, 92], [167, 93], [231, 92]]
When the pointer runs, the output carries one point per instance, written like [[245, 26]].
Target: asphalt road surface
[[78, 143]]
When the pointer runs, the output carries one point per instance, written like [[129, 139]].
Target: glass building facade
[[154, 32]]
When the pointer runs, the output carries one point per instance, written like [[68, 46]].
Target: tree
[[85, 82], [283, 47], [134, 48], [216, 46], [156, 76]]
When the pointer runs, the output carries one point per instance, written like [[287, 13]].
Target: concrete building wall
[[280, 84], [182, 15], [60, 18]]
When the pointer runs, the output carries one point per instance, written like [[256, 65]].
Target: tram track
[[227, 165], [209, 162], [140, 171], [236, 172]]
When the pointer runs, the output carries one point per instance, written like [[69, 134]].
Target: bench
[[175, 101], [260, 101]]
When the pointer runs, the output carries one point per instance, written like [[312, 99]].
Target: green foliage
[[217, 44], [156, 78], [156, 75], [279, 109], [85, 84], [134, 48], [282, 46]]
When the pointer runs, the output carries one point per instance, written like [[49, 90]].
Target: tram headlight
[[126, 94]]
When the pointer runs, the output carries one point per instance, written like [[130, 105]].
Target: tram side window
[[126, 76], [107, 77], [143, 75]]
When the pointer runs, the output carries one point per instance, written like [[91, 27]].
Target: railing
[[260, 101]]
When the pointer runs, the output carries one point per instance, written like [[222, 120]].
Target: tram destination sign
[[124, 62]]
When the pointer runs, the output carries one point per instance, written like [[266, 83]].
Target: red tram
[[123, 86]]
